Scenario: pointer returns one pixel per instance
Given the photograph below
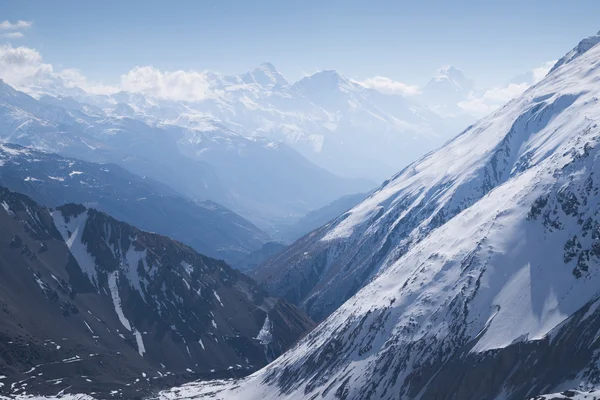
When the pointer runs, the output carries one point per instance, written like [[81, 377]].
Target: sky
[[491, 41]]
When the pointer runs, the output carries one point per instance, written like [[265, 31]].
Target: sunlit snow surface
[[491, 273]]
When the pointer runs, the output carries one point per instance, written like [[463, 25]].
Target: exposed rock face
[[96, 305]]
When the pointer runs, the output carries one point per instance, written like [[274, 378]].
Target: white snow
[[72, 233], [7, 208], [218, 298], [88, 326], [61, 396], [574, 395], [140, 342], [114, 293], [188, 267], [593, 308], [265, 336], [130, 266]]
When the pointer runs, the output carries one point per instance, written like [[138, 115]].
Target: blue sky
[[491, 41]]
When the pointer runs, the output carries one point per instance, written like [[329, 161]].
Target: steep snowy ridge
[[336, 260], [580, 49], [484, 257]]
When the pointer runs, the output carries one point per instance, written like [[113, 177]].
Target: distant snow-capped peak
[[264, 75], [449, 78], [326, 81]]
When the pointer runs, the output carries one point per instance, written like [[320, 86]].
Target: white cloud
[[503, 94], [24, 67], [491, 99], [175, 85], [540, 73], [389, 86], [73, 77], [12, 35], [21, 66], [9, 26]]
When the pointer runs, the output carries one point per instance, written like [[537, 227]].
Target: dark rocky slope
[[92, 304]]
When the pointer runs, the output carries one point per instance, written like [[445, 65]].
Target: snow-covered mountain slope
[[262, 180], [53, 180], [580, 49], [327, 267], [95, 305], [485, 257]]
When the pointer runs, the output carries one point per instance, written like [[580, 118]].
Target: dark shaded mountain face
[[92, 304], [53, 180]]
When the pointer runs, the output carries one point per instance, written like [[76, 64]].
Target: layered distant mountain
[[265, 181], [336, 123], [53, 180], [474, 273], [91, 304]]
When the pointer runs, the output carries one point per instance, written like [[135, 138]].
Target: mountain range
[[335, 122], [264, 181], [269, 149], [471, 274]]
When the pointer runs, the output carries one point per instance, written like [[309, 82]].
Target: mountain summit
[[265, 75], [448, 86]]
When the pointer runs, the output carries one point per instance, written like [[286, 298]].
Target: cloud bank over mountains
[[24, 67]]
